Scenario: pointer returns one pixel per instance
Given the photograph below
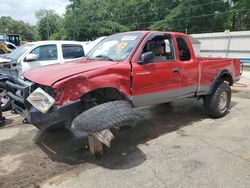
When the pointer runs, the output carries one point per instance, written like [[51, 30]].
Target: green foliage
[[50, 25], [240, 19], [10, 26], [198, 16], [88, 19], [85, 19]]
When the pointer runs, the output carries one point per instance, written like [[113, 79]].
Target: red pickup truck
[[137, 68]]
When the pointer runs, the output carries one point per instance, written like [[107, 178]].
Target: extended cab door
[[189, 65], [160, 79]]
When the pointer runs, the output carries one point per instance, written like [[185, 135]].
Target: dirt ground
[[177, 145]]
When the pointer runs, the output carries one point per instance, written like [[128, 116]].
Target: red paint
[[72, 80]]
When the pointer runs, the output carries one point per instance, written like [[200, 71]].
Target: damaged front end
[[9, 67], [36, 103], [41, 100]]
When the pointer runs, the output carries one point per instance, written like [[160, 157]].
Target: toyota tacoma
[[124, 70]]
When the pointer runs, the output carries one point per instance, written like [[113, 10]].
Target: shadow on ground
[[71, 147]]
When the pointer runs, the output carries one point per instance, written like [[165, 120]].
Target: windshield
[[115, 47], [17, 53]]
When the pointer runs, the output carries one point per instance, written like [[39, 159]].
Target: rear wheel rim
[[223, 101]]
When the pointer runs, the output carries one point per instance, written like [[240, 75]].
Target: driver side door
[[159, 80]]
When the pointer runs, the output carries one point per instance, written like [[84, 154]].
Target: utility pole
[[47, 14]]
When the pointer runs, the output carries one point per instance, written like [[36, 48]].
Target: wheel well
[[227, 77], [103, 95], [223, 77]]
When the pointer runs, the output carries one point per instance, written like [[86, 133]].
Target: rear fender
[[222, 74]]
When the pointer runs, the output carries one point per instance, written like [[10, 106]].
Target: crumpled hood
[[48, 75]]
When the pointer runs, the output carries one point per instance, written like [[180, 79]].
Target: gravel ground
[[176, 146]]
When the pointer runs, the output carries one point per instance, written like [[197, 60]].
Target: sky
[[25, 9]]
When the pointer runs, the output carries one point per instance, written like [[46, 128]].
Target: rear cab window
[[72, 51], [183, 48]]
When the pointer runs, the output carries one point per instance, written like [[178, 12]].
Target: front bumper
[[19, 90], [57, 114]]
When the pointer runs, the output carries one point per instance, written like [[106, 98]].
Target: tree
[[87, 19], [240, 16], [11, 26], [140, 14], [194, 17], [50, 25]]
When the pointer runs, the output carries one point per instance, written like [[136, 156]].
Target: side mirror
[[147, 57], [31, 57]]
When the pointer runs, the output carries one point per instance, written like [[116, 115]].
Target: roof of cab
[[55, 42]]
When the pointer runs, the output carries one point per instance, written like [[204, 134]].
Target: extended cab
[[141, 67]]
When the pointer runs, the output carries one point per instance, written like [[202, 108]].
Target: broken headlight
[[41, 100]]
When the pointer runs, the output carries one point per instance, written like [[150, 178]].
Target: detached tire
[[218, 103], [104, 116]]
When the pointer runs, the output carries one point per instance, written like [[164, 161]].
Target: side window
[[162, 48], [11, 47], [46, 52], [183, 48], [71, 51]]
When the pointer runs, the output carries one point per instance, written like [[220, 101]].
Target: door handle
[[176, 69]]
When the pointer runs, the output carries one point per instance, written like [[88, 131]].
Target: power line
[[198, 16], [192, 6], [192, 17], [165, 11]]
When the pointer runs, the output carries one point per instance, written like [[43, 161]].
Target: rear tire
[[218, 103]]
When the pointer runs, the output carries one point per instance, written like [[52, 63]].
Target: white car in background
[[34, 55], [90, 44], [10, 45]]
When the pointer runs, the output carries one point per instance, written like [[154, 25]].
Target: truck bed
[[209, 68]]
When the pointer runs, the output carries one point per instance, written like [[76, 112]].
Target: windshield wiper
[[104, 57]]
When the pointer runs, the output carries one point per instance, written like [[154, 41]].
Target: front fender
[[75, 87]]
